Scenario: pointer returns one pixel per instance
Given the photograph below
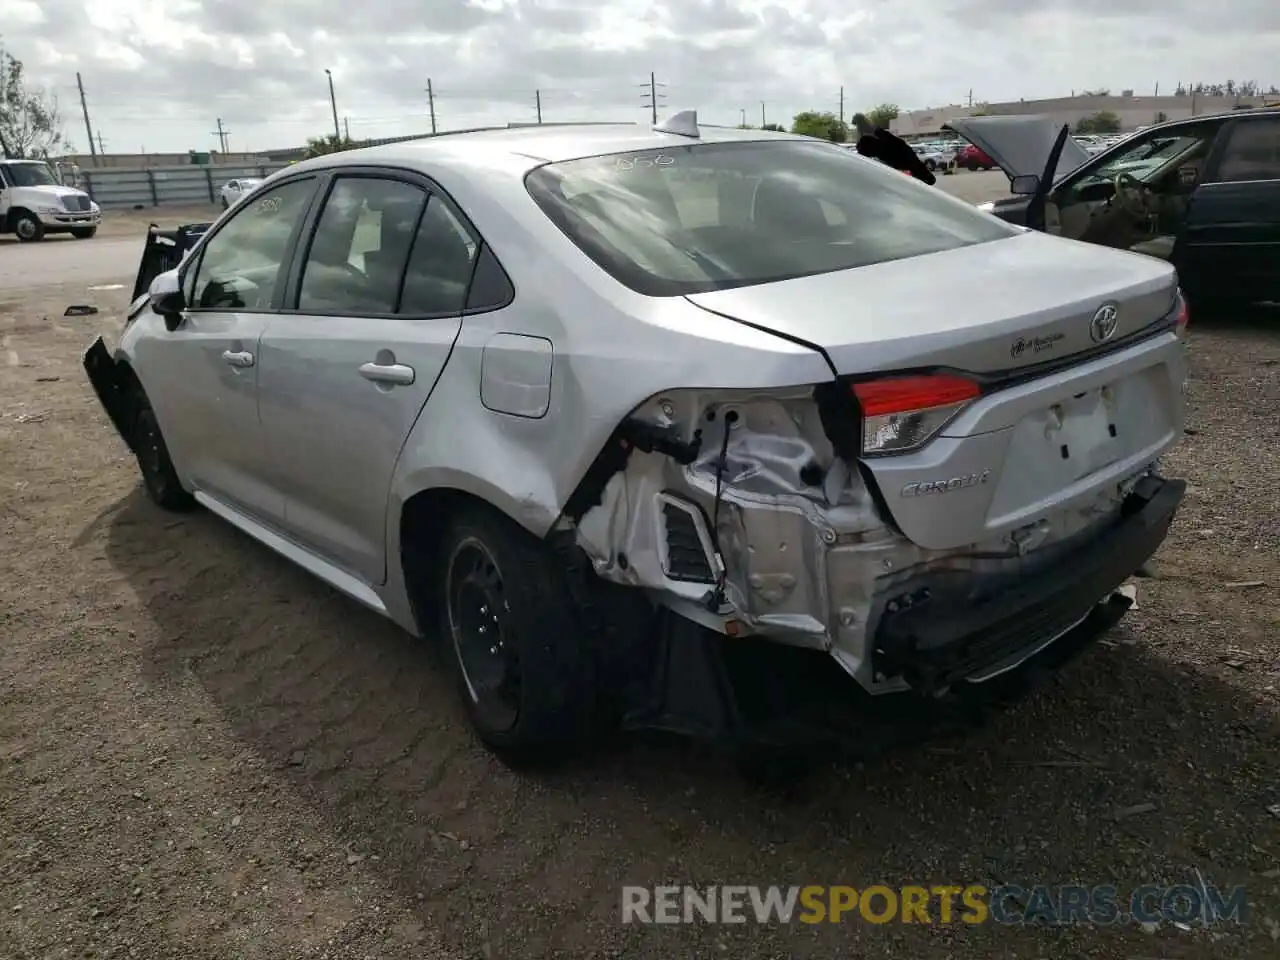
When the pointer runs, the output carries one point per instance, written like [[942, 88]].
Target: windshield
[[690, 219], [30, 175]]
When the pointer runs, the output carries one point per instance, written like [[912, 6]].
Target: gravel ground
[[204, 752]]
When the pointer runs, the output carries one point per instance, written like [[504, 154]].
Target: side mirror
[[1025, 186], [166, 298]]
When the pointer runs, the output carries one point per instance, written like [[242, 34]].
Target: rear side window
[[689, 219], [1252, 153], [360, 247]]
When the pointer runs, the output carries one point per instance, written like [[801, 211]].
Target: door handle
[[394, 373], [238, 358]]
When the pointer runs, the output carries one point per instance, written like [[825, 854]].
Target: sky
[[158, 74]]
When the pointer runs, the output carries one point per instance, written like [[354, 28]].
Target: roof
[[518, 149]]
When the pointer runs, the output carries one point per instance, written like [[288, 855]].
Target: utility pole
[[221, 134], [346, 126], [333, 103], [431, 104], [654, 96], [101, 149], [762, 118], [88, 130], [842, 106], [971, 97], [743, 111], [537, 100]]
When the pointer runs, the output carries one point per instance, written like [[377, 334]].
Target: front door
[[1230, 243], [347, 369], [202, 378]]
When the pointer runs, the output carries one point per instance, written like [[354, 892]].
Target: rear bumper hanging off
[[748, 691]]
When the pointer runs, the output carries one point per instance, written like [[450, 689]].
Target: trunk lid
[[1021, 145], [1017, 457], [986, 308]]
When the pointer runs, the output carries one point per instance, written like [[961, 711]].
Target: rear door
[[375, 304], [1230, 241]]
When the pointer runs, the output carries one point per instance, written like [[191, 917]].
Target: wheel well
[[423, 521]]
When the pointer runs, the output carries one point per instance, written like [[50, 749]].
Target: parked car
[[935, 157], [33, 203], [972, 158], [235, 190], [703, 429], [1202, 194]]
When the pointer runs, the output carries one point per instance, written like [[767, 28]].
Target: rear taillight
[[1183, 316], [904, 413]]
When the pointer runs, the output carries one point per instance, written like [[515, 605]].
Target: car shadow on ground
[[364, 722]]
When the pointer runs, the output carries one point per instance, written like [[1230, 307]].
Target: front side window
[[689, 219], [1252, 153], [357, 257], [240, 264]]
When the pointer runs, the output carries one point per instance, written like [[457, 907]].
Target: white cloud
[[161, 73]]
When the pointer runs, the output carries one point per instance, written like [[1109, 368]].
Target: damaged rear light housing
[[1183, 316], [906, 412]]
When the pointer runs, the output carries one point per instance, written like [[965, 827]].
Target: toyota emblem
[[1104, 323]]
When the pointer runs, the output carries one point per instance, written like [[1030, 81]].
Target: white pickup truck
[[33, 203]]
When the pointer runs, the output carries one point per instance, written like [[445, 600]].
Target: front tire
[[28, 228], [84, 233], [524, 671], [930, 166], [225, 205], [158, 473]]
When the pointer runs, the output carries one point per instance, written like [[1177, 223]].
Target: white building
[[1133, 111]]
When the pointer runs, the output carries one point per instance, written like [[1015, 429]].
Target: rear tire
[[523, 667], [158, 473], [84, 233], [28, 228], [225, 205]]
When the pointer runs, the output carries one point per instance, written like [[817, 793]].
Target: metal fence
[[166, 186]]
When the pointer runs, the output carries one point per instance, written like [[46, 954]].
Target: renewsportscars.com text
[[941, 904]]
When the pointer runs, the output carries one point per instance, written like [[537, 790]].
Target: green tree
[[330, 143], [1104, 121], [824, 126], [30, 126], [884, 115]]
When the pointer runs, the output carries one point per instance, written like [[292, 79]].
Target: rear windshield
[[689, 219]]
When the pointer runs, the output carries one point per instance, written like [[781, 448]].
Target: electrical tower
[[222, 135], [653, 96]]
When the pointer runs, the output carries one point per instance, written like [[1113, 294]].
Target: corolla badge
[[1104, 323], [1034, 344]]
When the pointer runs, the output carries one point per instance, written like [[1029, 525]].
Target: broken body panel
[[733, 483]]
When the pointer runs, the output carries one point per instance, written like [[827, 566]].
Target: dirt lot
[[206, 753]]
